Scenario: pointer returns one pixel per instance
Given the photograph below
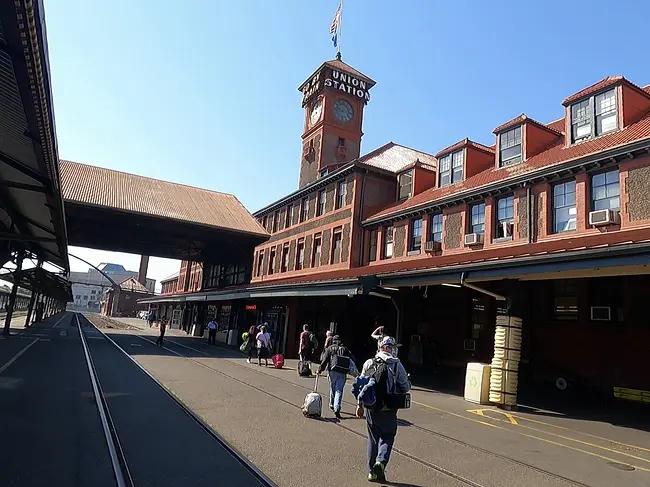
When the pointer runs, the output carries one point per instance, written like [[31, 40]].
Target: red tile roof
[[132, 284], [393, 157], [107, 188], [600, 85], [556, 154], [523, 118], [557, 125], [465, 143]]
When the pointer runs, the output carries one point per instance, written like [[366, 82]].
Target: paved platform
[[443, 439], [51, 433]]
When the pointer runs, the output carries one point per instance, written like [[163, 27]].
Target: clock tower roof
[[338, 64]]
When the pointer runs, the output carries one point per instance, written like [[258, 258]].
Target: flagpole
[[338, 47]]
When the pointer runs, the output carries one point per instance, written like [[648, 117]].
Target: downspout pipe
[[529, 196], [361, 230]]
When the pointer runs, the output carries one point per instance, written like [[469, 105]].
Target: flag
[[336, 25]]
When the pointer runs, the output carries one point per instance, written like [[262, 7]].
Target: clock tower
[[334, 97]]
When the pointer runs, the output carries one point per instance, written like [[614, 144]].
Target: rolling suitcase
[[304, 369], [313, 406], [278, 360]]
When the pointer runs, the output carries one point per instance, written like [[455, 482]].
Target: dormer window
[[510, 147], [451, 168], [405, 185], [583, 123]]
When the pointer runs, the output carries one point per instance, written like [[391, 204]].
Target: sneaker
[[332, 408], [372, 477], [380, 471], [337, 414], [248, 361]]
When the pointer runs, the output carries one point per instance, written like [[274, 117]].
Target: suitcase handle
[[316, 383]]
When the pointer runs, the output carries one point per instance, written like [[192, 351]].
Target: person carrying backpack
[[388, 380], [338, 361]]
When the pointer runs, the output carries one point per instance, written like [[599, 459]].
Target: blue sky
[[205, 92]]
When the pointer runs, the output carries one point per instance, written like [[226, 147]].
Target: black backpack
[[339, 359], [379, 370]]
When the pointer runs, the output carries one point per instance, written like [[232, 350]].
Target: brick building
[[554, 217]]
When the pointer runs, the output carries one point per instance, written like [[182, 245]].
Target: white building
[[88, 287]]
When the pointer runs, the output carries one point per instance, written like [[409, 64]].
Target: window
[[323, 172], [272, 261], [388, 242], [372, 247], [315, 258], [304, 210], [300, 254], [581, 120], [212, 275], [451, 168], [606, 116], [415, 243], [565, 299], [93, 292], [322, 198], [85, 297], [260, 263], [505, 217], [265, 222], [435, 228], [284, 265], [340, 194], [276, 221], [288, 220], [341, 142], [234, 274], [405, 185], [605, 191], [510, 146], [337, 245], [564, 207], [594, 116], [477, 220]]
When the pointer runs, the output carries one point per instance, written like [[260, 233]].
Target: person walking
[[252, 343], [263, 346], [212, 332], [162, 326], [338, 361], [304, 347], [391, 384], [151, 317]]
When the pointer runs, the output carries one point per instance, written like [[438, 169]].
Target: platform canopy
[[41, 281], [113, 210], [31, 207]]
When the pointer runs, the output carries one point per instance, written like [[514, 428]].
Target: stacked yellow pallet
[[504, 376]]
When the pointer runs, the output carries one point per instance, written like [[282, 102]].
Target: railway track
[[122, 470]]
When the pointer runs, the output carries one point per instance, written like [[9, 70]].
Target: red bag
[[278, 361]]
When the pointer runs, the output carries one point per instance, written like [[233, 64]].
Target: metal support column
[[12, 297], [30, 309]]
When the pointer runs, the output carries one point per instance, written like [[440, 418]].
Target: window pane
[[510, 153], [605, 191], [478, 218]]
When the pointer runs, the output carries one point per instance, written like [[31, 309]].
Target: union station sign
[[335, 80]]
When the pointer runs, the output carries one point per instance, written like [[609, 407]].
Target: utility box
[[477, 383]]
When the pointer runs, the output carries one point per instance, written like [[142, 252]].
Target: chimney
[[142, 272]]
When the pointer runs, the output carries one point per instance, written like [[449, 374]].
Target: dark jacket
[[328, 360]]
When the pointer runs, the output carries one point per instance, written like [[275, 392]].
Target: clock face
[[316, 110], [343, 111]]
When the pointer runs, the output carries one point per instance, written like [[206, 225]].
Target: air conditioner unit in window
[[473, 239], [601, 313], [506, 228], [603, 217], [432, 246]]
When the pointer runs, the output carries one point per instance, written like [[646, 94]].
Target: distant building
[[88, 288], [125, 303]]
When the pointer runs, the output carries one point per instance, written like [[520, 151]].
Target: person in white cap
[[391, 382]]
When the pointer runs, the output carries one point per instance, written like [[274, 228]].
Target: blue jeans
[[337, 383], [382, 428]]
